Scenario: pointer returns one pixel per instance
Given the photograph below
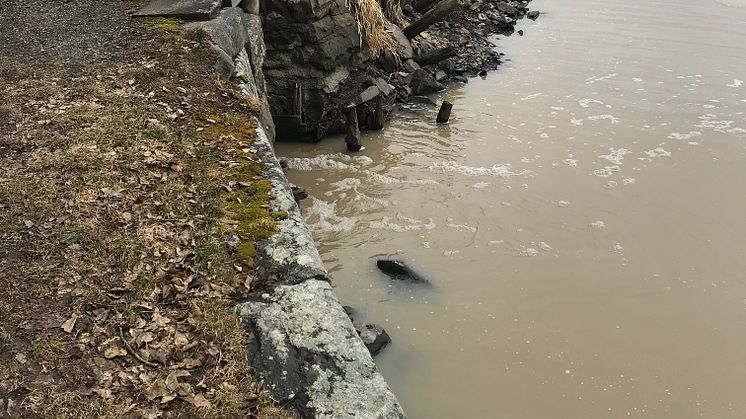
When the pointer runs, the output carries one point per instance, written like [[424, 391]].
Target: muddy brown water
[[582, 221]]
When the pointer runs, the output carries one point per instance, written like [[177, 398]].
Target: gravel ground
[[65, 31]]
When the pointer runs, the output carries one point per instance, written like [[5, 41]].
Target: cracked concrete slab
[[182, 9]]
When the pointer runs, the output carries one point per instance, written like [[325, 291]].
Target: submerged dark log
[[435, 56], [353, 130], [399, 271], [445, 112], [434, 15]]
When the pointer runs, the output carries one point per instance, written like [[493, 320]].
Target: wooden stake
[[378, 116], [353, 131], [445, 113]]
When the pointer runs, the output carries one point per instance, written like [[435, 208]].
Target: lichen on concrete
[[310, 356]]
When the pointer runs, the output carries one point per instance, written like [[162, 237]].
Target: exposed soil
[[121, 173]]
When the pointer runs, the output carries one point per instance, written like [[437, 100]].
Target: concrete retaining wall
[[304, 345]]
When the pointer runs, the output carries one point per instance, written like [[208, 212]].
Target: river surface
[[582, 221]]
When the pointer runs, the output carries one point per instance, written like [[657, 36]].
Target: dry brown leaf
[[69, 324], [113, 351], [199, 401]]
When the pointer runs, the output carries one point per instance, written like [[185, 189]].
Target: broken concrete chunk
[[228, 30], [368, 94], [311, 357], [383, 86], [423, 83], [182, 9], [406, 50]]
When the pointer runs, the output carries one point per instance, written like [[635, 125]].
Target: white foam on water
[[598, 224], [322, 216], [388, 180], [495, 242], [724, 126], [607, 171], [480, 185], [629, 181], [612, 118], [616, 155], [529, 252], [499, 170], [563, 204], [576, 122], [591, 80], [451, 252], [462, 227], [585, 103], [736, 83], [570, 162], [532, 96], [338, 161], [387, 223], [657, 152], [680, 136]]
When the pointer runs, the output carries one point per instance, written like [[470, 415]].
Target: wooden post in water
[[445, 112], [378, 116], [353, 130]]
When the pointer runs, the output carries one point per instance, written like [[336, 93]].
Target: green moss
[[246, 252], [280, 215], [161, 24]]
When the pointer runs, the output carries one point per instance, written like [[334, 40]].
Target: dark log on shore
[[423, 5], [445, 113], [434, 15], [353, 130], [435, 56]]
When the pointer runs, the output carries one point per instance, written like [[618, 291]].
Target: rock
[[250, 6], [389, 62], [421, 100], [406, 47], [299, 193], [368, 94], [460, 78], [374, 337], [399, 271], [533, 14], [506, 8], [231, 3], [312, 358], [228, 30], [224, 63], [182, 9], [520, 32], [410, 66], [383, 86], [423, 83], [440, 75]]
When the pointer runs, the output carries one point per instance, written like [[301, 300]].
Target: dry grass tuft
[[372, 25]]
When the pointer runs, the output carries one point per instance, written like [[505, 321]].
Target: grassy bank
[[120, 187]]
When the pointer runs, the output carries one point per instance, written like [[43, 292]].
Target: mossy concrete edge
[[305, 347]]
